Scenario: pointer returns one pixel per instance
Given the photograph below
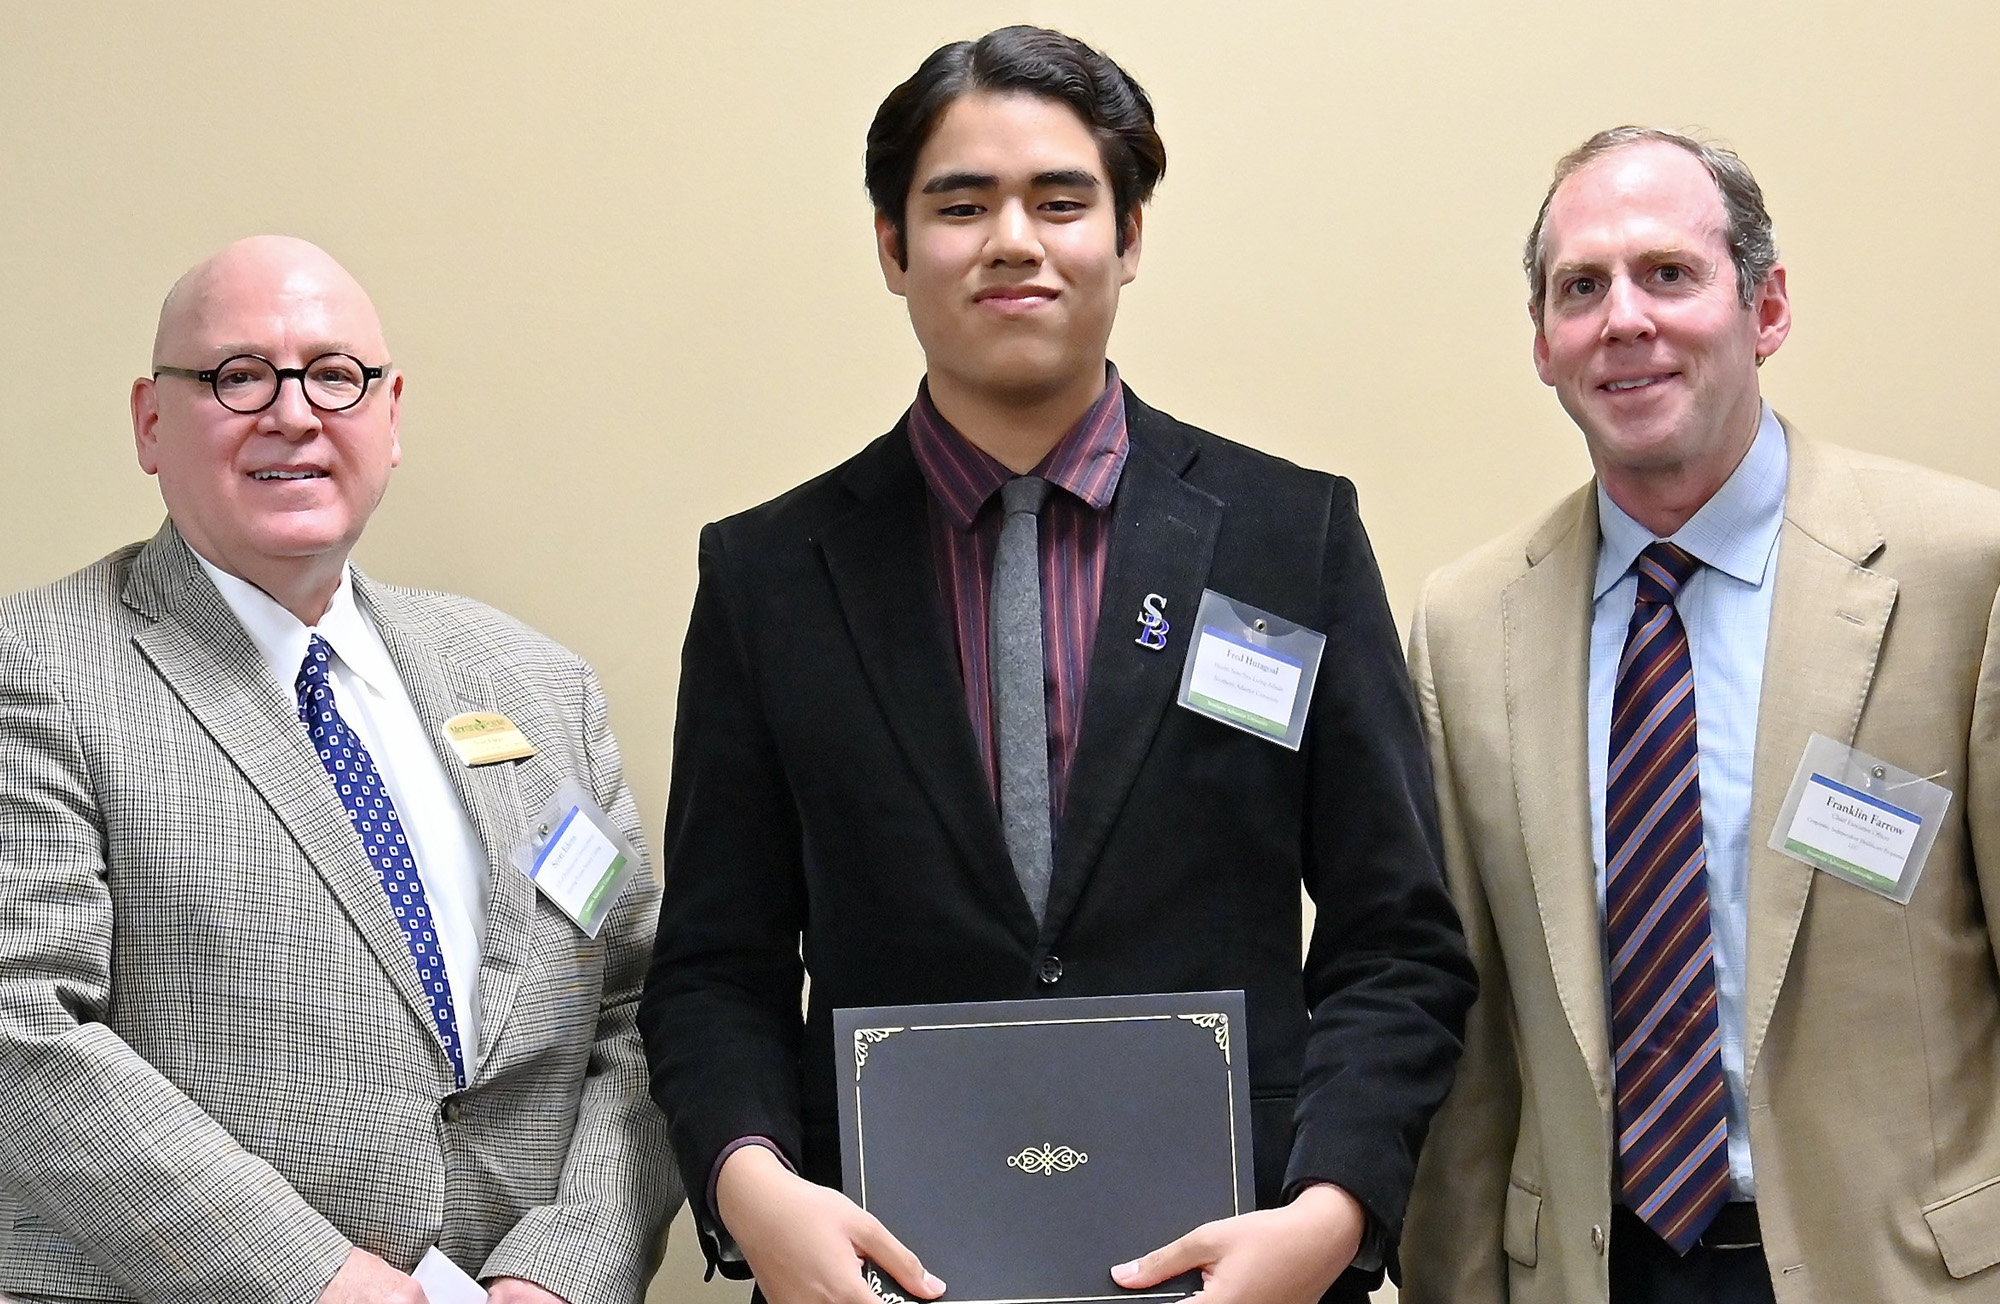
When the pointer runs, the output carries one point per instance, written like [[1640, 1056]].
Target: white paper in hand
[[445, 1283]]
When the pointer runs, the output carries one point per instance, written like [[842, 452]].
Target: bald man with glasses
[[279, 1016]]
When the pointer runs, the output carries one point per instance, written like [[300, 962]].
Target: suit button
[[1597, 1237], [1052, 970], [452, 1110]]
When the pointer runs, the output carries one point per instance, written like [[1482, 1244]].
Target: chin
[[1648, 455], [1662, 437], [1032, 371], [298, 543]]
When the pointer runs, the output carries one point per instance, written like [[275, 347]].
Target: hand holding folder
[[805, 1241], [1271, 1256]]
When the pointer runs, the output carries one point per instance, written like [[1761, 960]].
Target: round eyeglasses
[[332, 382]]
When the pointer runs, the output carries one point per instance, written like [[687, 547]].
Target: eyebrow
[[1069, 178], [1645, 258], [320, 348], [938, 185]]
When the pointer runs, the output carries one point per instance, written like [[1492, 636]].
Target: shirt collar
[[962, 477], [282, 638], [1735, 531]]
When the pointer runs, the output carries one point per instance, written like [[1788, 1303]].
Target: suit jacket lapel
[[200, 649], [442, 686], [1163, 535], [1828, 617], [879, 559], [1546, 615]]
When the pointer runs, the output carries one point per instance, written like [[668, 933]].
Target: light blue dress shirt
[[1726, 607]]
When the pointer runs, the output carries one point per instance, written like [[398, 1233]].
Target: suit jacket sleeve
[[1982, 779], [599, 1241], [721, 1010], [97, 1140], [1386, 977], [1453, 1241]]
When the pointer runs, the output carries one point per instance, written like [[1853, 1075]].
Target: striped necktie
[[374, 817], [1672, 1111]]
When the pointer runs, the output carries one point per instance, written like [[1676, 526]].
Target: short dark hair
[[1034, 61], [1753, 249]]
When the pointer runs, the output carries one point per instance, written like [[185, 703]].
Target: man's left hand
[[519, 1290], [1273, 1256]]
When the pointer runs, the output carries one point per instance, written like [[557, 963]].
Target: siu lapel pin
[[1152, 624]]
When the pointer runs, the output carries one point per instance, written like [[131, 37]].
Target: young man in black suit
[[856, 795]]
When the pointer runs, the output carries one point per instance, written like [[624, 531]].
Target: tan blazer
[[1872, 1037], [216, 1059]]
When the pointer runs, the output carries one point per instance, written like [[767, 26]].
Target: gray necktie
[[1020, 703]]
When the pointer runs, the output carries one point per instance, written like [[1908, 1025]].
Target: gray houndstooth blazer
[[216, 1064]]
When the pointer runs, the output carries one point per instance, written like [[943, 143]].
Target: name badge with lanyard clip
[[1860, 819], [1251, 670], [577, 857]]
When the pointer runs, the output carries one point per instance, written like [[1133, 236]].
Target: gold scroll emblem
[[1047, 1159]]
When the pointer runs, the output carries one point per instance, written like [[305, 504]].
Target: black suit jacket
[[826, 787]]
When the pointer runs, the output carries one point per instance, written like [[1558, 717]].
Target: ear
[[1129, 260], [889, 252], [396, 419], [146, 423], [1541, 350], [1773, 307]]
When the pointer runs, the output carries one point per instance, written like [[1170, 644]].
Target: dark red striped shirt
[[1075, 537]]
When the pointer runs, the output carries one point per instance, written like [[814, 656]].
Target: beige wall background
[[625, 259]]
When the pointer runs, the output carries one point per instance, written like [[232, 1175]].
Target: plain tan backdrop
[[625, 260]]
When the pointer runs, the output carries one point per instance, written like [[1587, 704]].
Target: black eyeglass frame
[[369, 375]]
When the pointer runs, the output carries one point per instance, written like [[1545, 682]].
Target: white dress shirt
[[1726, 607], [370, 697]]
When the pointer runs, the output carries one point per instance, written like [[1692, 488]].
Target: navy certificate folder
[[1021, 1148]]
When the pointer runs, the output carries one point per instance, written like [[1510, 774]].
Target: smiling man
[[278, 1014], [928, 745], [1702, 1068]]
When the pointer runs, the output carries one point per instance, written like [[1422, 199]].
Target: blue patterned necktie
[[374, 817], [1672, 1111]]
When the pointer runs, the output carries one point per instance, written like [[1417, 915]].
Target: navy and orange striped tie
[[1672, 1114]]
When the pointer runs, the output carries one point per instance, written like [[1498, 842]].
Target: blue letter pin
[[1152, 625]]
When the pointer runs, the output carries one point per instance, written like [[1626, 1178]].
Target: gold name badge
[[486, 737]]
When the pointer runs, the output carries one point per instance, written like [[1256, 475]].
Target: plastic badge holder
[[577, 857], [1251, 670], [1860, 819]]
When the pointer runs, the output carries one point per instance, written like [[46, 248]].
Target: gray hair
[[1753, 248]]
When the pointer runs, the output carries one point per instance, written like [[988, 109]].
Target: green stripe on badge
[[603, 886], [1263, 724], [1825, 861]]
